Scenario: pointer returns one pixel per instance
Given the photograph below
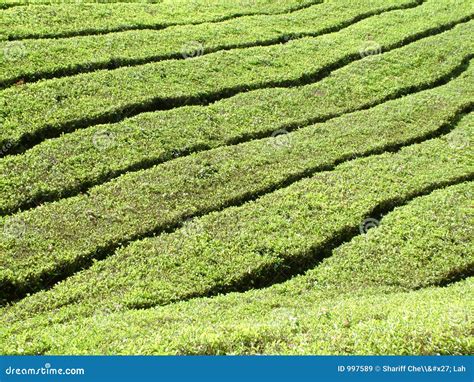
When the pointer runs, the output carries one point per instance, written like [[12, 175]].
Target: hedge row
[[429, 242], [425, 322], [73, 162], [328, 310], [61, 20], [139, 203], [55, 57], [260, 242], [46, 108], [12, 3], [290, 319]]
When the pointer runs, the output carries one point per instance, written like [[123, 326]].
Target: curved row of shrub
[[36, 110], [62, 234], [55, 57], [303, 315], [13, 3], [74, 162], [422, 244], [280, 321], [263, 241], [62, 20], [346, 305]]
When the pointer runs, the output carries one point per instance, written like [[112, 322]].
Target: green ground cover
[[302, 184], [55, 57], [74, 162], [358, 301], [52, 106], [80, 18]]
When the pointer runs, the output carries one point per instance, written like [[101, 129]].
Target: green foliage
[[61, 235], [46, 57], [50, 107], [79, 18], [239, 226], [257, 243], [352, 303], [63, 166]]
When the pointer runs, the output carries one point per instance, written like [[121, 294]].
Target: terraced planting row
[[63, 20], [356, 325], [328, 310], [50, 107], [74, 162], [261, 242], [13, 3], [55, 57], [56, 237], [224, 204], [283, 323]]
